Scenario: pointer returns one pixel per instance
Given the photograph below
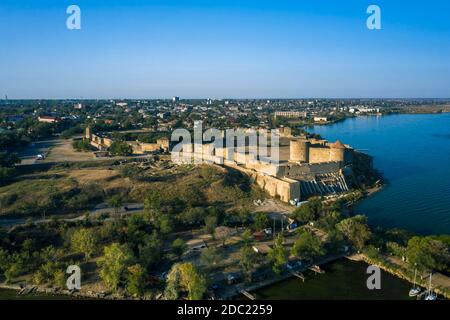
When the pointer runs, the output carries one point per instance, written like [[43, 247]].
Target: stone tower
[[299, 151], [337, 152], [88, 133]]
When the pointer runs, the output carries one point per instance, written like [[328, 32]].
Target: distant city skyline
[[224, 49]]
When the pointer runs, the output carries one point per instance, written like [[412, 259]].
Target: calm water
[[343, 280], [413, 152]]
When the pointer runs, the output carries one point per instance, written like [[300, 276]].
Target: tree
[[193, 215], [210, 225], [84, 241], [261, 221], [81, 145], [114, 263], [210, 257], [59, 278], [184, 277], [308, 246], [116, 202], [222, 233], [165, 224], [8, 159], [135, 280], [179, 247], [6, 174], [309, 211], [356, 230], [150, 251], [278, 256], [427, 254], [244, 216], [120, 148], [247, 261], [247, 236]]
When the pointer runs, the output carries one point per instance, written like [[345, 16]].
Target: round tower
[[299, 151], [88, 135], [337, 152]]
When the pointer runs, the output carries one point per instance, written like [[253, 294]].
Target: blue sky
[[217, 49]]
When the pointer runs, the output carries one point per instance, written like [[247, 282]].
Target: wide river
[[413, 153]]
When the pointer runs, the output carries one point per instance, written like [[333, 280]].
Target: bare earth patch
[[63, 151]]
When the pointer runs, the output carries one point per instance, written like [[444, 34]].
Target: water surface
[[343, 280], [413, 152]]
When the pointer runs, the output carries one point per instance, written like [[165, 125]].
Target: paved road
[[29, 153], [100, 209]]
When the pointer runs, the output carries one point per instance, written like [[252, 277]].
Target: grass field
[[73, 189]]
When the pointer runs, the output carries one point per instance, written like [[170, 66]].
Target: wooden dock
[[299, 275], [316, 269], [248, 295]]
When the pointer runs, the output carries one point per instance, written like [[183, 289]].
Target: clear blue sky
[[216, 48]]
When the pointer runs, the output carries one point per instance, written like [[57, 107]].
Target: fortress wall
[[148, 147], [286, 189], [266, 168], [326, 167], [163, 143], [318, 155], [309, 171], [96, 145], [337, 155], [107, 142]]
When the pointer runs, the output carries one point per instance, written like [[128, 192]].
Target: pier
[[248, 295], [316, 269], [299, 275]]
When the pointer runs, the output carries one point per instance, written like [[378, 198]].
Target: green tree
[[150, 251], [84, 241], [247, 261], [308, 246], [184, 277], [356, 230], [120, 148], [59, 278], [261, 221], [210, 257], [247, 236], [113, 264], [165, 224], [179, 247], [244, 216], [278, 256], [210, 225], [8, 159], [135, 280], [308, 212], [116, 202], [12, 272], [152, 207], [427, 254]]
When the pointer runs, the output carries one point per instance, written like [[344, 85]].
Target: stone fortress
[[102, 142], [306, 167]]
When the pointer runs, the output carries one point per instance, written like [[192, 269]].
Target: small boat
[[430, 294], [415, 290]]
